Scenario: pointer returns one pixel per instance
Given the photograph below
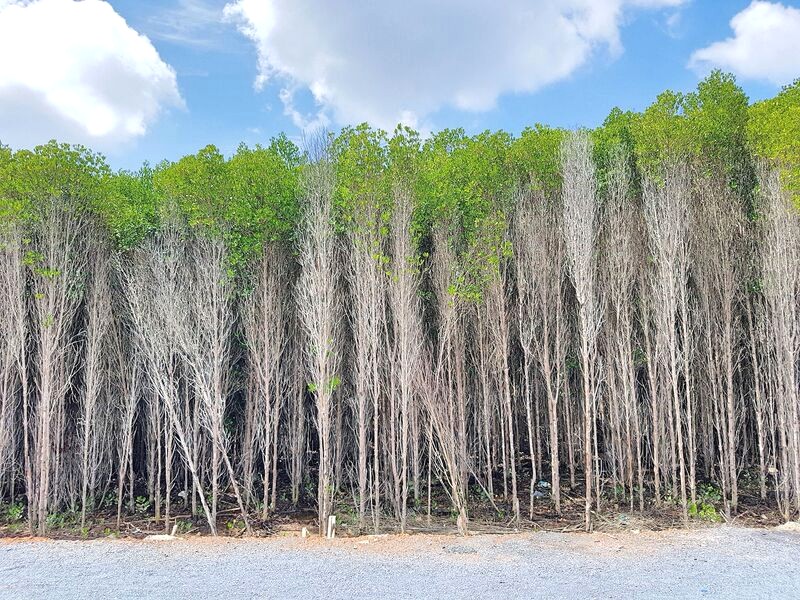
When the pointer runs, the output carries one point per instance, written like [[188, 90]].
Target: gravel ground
[[722, 562]]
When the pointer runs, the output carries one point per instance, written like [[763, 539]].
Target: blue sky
[[148, 80]]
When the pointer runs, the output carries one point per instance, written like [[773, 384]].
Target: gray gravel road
[[721, 562]]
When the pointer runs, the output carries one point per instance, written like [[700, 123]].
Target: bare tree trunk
[[501, 343], [98, 323], [58, 245], [580, 235], [264, 322], [780, 262], [155, 281], [368, 316], [318, 311], [443, 389], [720, 228], [666, 216], [407, 336], [623, 247], [206, 347], [13, 354]]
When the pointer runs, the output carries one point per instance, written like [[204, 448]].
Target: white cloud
[[188, 22], [765, 45], [402, 60], [307, 123], [77, 72]]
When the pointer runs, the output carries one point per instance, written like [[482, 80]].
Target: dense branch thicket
[[611, 313]]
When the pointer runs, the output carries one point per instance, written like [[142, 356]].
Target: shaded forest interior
[[383, 327]]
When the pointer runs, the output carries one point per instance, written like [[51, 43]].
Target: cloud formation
[[400, 61], [765, 45], [77, 72], [194, 23]]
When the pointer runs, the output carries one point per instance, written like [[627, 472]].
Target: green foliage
[[6, 183], [660, 133], [703, 511], [615, 136], [250, 199], [184, 526], [403, 150], [535, 157], [363, 186], [329, 386], [200, 187], [462, 180], [707, 127], [464, 188], [708, 492], [28, 179], [55, 520], [5, 156], [142, 504], [131, 210], [773, 132], [233, 524], [708, 497], [265, 189], [716, 116], [14, 512], [461, 184]]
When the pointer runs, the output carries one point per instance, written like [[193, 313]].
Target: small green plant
[[669, 498], [708, 496], [14, 512], [480, 493], [709, 493], [84, 532], [142, 504], [54, 520], [184, 526], [309, 487], [704, 511], [346, 512]]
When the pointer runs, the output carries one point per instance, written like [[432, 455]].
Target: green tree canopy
[[773, 132]]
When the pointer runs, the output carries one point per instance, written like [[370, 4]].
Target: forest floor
[[616, 515], [711, 562]]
